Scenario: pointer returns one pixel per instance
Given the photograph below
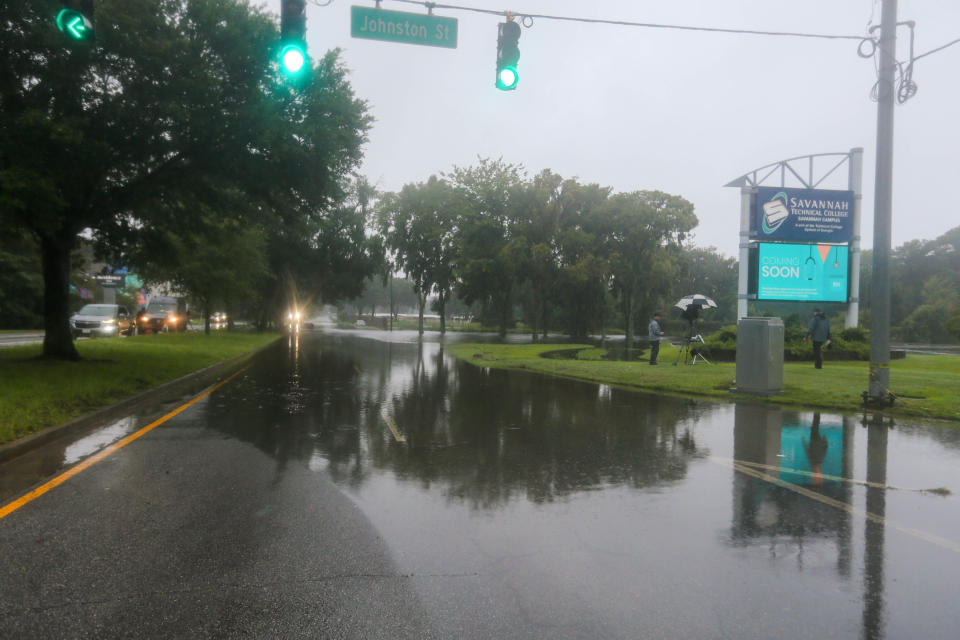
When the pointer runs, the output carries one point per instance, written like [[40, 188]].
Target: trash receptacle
[[760, 355]]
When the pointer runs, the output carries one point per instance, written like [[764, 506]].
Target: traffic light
[[75, 20], [293, 36], [508, 55]]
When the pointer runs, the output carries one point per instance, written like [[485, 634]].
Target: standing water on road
[[524, 505]]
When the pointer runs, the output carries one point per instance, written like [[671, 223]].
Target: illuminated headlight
[[108, 327], [108, 321], [173, 319], [297, 315]]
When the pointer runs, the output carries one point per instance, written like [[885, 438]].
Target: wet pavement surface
[[364, 484]]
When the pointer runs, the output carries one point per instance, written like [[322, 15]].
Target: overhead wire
[[629, 23], [906, 87]]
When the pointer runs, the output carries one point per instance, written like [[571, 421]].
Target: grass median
[[926, 386], [36, 393]]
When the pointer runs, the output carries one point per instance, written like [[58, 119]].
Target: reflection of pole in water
[[874, 532], [816, 448], [845, 531]]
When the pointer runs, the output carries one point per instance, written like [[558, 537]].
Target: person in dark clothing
[[653, 334], [819, 332]]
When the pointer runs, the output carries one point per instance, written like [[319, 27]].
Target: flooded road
[[516, 505]]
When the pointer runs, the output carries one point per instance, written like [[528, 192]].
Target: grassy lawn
[[927, 386], [37, 393]]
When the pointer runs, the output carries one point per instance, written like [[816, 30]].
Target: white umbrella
[[695, 300]]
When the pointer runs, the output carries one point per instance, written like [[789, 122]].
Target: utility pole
[[883, 190]]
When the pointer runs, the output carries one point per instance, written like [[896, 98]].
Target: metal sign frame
[[808, 172]]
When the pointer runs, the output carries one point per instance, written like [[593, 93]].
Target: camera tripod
[[693, 349]]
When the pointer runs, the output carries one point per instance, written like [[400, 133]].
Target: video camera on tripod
[[693, 347]]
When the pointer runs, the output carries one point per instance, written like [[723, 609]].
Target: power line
[[949, 44], [628, 23]]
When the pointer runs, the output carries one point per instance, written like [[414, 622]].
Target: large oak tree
[[178, 103]]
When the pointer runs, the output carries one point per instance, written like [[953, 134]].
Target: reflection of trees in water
[[485, 437], [489, 436], [294, 408]]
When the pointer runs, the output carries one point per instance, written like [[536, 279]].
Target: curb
[[149, 399]]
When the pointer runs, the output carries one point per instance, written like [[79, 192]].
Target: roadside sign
[[400, 26], [804, 215], [110, 282]]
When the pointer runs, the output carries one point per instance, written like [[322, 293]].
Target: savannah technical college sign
[[802, 215]]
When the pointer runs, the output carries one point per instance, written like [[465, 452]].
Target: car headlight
[[172, 319], [108, 321]]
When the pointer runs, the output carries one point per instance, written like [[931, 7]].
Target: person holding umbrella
[[653, 334]]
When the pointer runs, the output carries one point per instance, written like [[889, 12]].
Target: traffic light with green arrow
[[75, 20], [508, 55], [293, 36]]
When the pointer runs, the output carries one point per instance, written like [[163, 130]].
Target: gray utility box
[[760, 355]]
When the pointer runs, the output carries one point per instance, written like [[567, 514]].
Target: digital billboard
[[802, 272], [802, 215]]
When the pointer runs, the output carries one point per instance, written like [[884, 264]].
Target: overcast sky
[[683, 112]]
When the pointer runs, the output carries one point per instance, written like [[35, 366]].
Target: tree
[[706, 271], [584, 270], [177, 102], [488, 251], [418, 228], [222, 262], [644, 231], [21, 288]]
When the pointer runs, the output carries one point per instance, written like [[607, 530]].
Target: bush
[[855, 334], [849, 344]]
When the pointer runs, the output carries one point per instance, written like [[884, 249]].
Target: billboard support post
[[743, 275], [856, 185]]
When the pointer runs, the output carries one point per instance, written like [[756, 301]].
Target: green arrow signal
[[75, 25]]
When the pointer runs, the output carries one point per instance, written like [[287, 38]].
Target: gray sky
[[683, 112]]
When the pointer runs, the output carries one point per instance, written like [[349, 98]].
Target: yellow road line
[[813, 495], [800, 472], [94, 459], [393, 425]]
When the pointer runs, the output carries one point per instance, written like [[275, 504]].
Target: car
[[293, 321], [163, 313], [101, 320]]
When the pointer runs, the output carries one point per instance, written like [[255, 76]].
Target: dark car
[[101, 320], [163, 313]]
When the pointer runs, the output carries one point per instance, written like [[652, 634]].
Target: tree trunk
[[442, 303], [628, 312], [206, 317], [506, 309], [57, 339], [544, 318], [421, 302]]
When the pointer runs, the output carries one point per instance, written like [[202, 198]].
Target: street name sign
[[400, 26], [110, 281]]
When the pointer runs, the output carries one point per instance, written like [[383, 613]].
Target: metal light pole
[[883, 189]]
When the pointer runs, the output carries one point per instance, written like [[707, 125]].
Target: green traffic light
[[507, 78], [75, 25], [293, 58]]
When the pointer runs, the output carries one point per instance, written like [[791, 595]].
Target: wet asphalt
[[365, 485]]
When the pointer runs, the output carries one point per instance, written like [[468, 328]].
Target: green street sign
[[399, 26]]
